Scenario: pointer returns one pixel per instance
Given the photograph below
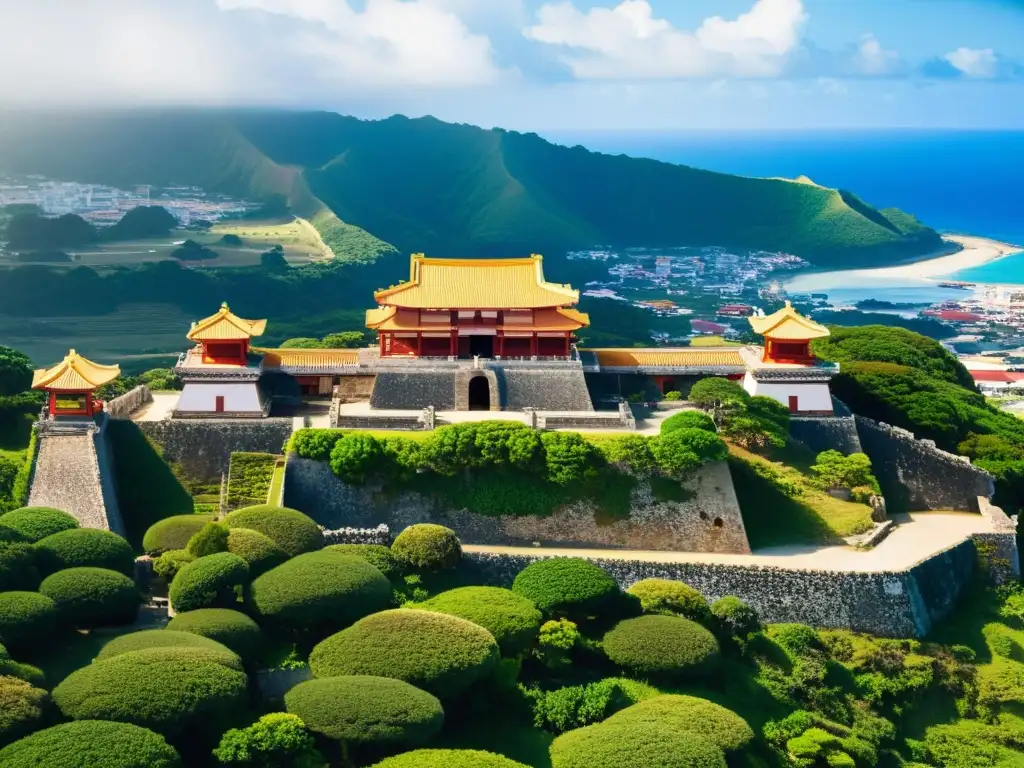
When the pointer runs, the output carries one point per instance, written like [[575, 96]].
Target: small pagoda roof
[[477, 284], [225, 325], [74, 374], [788, 324]]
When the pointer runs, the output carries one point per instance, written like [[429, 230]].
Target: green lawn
[[780, 506], [274, 496], [14, 436]]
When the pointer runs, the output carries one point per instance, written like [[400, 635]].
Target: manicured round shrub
[[355, 456], [26, 619], [208, 540], [35, 523], [638, 745], [795, 638], [319, 592], [92, 597], [9, 535], [674, 598], [682, 450], [735, 617], [512, 619], [427, 547], [22, 707], [28, 673], [232, 629], [567, 586], [259, 552], [448, 758], [167, 565], [441, 654], [84, 547], [688, 420], [209, 582], [91, 744], [291, 530], [712, 722], [662, 645], [377, 555], [175, 692], [360, 709], [150, 639], [18, 567], [173, 532]]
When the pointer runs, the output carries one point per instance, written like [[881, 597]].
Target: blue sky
[[544, 65]]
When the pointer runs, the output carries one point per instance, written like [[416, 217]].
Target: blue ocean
[[967, 182]]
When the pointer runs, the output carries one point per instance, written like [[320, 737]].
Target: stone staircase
[[73, 473]]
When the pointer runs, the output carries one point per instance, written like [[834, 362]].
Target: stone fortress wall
[[203, 447], [709, 520], [889, 603]]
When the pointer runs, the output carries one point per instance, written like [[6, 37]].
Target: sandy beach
[[976, 251]]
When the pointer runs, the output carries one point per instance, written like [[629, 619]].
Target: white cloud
[[388, 43], [832, 86], [628, 42], [974, 62], [873, 59]]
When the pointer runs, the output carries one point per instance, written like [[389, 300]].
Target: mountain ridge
[[420, 184]]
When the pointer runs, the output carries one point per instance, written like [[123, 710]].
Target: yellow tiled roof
[[75, 374], [657, 358], [309, 358], [225, 325], [788, 324], [477, 284], [564, 319]]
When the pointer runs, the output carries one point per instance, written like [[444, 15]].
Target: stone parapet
[[124, 406], [379, 535]]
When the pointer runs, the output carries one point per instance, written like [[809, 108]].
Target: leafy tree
[[15, 372], [344, 340], [274, 260], [30, 231], [718, 393], [277, 740], [834, 470], [302, 343], [143, 221]]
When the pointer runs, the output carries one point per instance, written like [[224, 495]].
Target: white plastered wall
[[811, 396], [202, 398]]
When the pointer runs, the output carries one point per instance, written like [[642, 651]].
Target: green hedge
[[291, 530], [567, 586], [688, 420], [448, 758], [173, 532], [150, 639], [209, 582], [232, 629], [441, 654], [259, 551], [637, 745], [9, 535], [91, 744], [665, 596], [177, 692], [427, 547], [700, 717], [23, 480], [512, 619], [377, 555], [35, 523], [662, 646], [364, 710], [18, 567], [28, 673], [27, 619], [735, 617], [84, 547], [319, 592], [208, 540], [22, 708], [249, 478], [167, 565], [92, 597]]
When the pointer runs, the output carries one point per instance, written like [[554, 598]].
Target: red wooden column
[[419, 343], [533, 344], [500, 346]]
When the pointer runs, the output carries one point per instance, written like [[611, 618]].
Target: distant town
[[103, 206]]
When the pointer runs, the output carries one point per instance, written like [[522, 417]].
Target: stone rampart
[[124, 406], [203, 447], [708, 519], [823, 433], [916, 475], [546, 389], [1000, 544], [892, 604], [414, 389]]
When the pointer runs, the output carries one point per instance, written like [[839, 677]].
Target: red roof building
[[997, 377], [735, 310], [703, 326], [954, 315]]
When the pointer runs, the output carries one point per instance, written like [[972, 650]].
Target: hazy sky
[[535, 65]]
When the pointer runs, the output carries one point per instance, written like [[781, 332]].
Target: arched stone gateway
[[479, 394]]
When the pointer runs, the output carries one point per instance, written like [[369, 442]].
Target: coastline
[[975, 252]]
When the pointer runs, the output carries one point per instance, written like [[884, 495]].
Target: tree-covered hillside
[[425, 185]]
